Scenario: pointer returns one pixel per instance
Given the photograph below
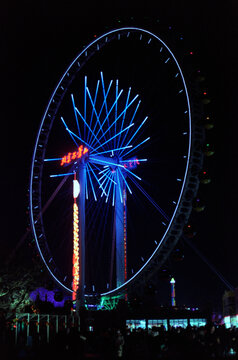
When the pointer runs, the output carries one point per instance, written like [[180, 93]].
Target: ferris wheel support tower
[[79, 229]]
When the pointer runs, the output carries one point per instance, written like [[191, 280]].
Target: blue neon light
[[110, 185], [109, 114], [85, 104], [128, 152], [70, 173], [113, 137], [100, 126], [119, 117], [137, 131], [96, 178], [70, 133], [125, 180], [94, 104], [87, 125], [55, 159], [124, 115], [76, 117], [130, 123], [90, 179], [104, 94], [112, 150]]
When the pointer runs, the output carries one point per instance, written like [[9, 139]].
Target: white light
[[76, 188]]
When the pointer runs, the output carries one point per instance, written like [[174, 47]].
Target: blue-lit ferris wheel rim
[[33, 221]]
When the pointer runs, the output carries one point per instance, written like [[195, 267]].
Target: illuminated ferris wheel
[[112, 178]]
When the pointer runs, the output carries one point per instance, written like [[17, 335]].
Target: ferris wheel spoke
[[152, 201], [109, 190], [107, 179], [97, 117], [120, 116], [89, 137], [105, 174], [70, 132], [91, 183], [109, 112], [58, 175], [136, 132], [85, 105], [87, 125], [124, 137], [86, 187], [53, 159], [124, 179], [133, 160], [112, 150], [111, 178], [124, 115], [116, 111], [114, 137], [94, 129], [108, 174], [75, 113], [96, 177], [102, 171], [105, 98], [136, 147], [89, 146], [105, 102], [130, 172]]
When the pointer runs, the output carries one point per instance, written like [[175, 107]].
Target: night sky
[[38, 43]]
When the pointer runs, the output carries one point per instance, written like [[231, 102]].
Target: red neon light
[[132, 164], [66, 159]]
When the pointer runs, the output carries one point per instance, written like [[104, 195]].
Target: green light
[[110, 303]]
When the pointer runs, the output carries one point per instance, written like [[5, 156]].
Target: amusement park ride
[[115, 154]]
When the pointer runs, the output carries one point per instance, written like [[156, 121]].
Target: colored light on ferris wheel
[[67, 159], [76, 189]]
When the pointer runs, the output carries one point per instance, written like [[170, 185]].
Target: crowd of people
[[207, 342]]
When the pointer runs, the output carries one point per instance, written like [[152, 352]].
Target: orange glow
[[66, 159]]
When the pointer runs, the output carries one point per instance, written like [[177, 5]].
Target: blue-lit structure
[[108, 136], [106, 154]]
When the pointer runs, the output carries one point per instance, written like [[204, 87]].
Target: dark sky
[[38, 43]]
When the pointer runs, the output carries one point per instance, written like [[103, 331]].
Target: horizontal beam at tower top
[[104, 160]]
